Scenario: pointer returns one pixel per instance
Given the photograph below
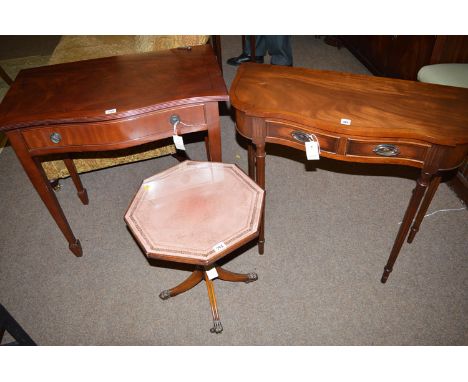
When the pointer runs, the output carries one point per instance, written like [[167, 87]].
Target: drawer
[[295, 136], [387, 149], [145, 127]]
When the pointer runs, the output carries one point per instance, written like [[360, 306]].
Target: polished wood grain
[[391, 121], [378, 107], [108, 104], [132, 84]]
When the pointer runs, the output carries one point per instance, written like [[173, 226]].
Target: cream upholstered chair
[[445, 74], [77, 48]]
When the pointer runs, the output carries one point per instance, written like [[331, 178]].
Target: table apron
[[113, 135], [375, 150]]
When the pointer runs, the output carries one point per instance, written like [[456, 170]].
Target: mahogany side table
[[108, 104], [355, 118], [196, 213]]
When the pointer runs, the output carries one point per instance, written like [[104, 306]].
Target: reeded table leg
[[251, 159], [260, 174], [217, 327], [414, 203], [424, 206], [81, 191]]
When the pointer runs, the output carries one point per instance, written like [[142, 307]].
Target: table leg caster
[[165, 294], [217, 327]]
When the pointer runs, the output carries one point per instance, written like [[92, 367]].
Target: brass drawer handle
[[55, 137], [301, 136], [386, 150]]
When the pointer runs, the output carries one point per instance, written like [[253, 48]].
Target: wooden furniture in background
[[108, 104], [197, 213], [403, 56], [355, 118]]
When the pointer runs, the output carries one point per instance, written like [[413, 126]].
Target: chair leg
[[217, 327], [81, 191], [193, 280], [9, 324]]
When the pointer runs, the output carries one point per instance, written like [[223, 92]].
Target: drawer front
[[142, 128], [295, 136], [386, 149]]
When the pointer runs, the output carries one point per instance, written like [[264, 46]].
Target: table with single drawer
[[354, 118], [109, 104]]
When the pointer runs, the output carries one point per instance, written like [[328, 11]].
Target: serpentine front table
[[354, 118], [108, 104]]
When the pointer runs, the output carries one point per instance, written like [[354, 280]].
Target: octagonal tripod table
[[196, 213]]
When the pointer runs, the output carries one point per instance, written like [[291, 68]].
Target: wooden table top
[[131, 84], [377, 107]]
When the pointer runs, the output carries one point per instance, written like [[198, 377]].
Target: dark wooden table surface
[[107, 104], [355, 118]]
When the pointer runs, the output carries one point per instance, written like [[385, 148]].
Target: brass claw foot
[[252, 277], [217, 327], [165, 294]]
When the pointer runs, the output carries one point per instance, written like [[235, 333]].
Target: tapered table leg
[[81, 191], [191, 281], [38, 178], [260, 175], [214, 132], [424, 206], [414, 203]]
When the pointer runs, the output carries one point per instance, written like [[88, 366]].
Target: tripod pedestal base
[[201, 274]]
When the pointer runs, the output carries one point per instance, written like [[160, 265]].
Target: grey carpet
[[329, 229]]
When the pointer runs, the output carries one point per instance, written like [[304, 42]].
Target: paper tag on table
[[312, 150], [219, 247], [178, 142], [211, 273]]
